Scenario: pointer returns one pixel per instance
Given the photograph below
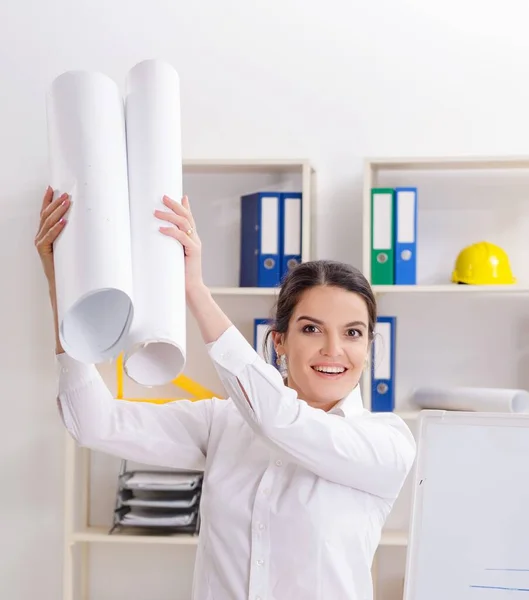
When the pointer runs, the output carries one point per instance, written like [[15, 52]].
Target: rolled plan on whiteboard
[[472, 399], [87, 150], [157, 344]]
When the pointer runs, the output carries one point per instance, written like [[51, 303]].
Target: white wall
[[283, 78]]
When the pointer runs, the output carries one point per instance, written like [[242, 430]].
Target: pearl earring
[[282, 362]]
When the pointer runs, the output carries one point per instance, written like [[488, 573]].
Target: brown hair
[[315, 273]]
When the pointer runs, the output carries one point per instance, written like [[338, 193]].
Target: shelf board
[[445, 163], [394, 538], [244, 291], [451, 289], [101, 535], [408, 415], [227, 165]]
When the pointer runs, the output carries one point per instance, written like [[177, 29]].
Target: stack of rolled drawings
[[120, 282]]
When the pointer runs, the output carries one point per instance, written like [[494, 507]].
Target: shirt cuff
[[73, 374], [232, 351]]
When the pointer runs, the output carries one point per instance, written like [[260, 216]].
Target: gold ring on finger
[[189, 232]]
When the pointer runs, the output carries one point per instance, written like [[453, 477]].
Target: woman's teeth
[[330, 370]]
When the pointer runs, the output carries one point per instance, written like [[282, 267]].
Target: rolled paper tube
[[87, 154], [157, 346], [472, 399]]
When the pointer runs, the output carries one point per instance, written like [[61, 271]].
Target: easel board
[[469, 529]]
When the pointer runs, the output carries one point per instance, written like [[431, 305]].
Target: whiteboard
[[469, 529]]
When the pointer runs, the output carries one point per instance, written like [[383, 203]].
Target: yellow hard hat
[[483, 263]]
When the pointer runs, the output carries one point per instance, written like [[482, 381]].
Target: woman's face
[[326, 345]]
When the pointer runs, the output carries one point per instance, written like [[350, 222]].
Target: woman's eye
[[354, 333], [309, 329]]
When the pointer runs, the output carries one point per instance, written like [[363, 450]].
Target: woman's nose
[[332, 346]]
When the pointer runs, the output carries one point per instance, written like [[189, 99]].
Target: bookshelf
[[214, 186], [385, 171], [472, 199], [230, 178]]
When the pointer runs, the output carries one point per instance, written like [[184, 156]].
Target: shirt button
[[261, 526], [279, 462], [260, 563]]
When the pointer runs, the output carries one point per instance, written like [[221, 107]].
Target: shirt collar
[[350, 405]]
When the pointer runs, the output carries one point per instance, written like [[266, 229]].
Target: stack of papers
[[152, 519], [160, 501], [161, 480]]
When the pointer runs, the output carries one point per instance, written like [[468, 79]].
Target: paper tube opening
[[96, 326], [155, 363]]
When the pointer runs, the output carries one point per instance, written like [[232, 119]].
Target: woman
[[298, 477]]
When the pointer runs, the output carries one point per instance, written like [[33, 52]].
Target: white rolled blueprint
[[87, 153], [472, 399], [156, 351]]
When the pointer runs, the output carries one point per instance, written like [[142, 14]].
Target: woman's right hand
[[52, 222]]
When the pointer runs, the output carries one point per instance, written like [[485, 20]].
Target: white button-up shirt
[[294, 498]]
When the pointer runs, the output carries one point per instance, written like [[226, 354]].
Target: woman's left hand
[[182, 228]]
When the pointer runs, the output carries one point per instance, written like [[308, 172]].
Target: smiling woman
[[298, 477], [323, 329]]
